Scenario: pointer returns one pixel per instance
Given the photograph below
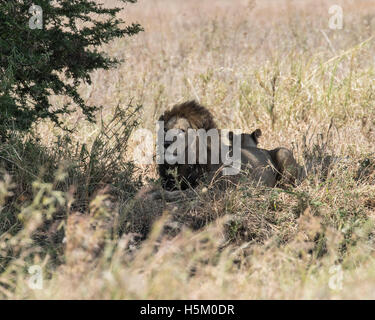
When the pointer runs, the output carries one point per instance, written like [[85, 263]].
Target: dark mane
[[198, 116]]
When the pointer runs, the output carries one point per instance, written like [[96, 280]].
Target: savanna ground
[[68, 201]]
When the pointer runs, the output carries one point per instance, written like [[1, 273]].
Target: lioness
[[264, 167]]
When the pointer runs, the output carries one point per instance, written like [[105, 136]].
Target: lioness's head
[[248, 140]]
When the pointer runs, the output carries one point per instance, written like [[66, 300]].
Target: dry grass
[[248, 243]]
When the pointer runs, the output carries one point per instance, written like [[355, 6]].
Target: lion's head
[[181, 118]]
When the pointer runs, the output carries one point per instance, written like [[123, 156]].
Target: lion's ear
[[256, 135]]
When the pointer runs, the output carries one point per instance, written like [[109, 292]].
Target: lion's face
[[176, 128]]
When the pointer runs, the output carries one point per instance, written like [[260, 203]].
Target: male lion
[[264, 167]]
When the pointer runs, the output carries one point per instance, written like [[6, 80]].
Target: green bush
[[52, 56]]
